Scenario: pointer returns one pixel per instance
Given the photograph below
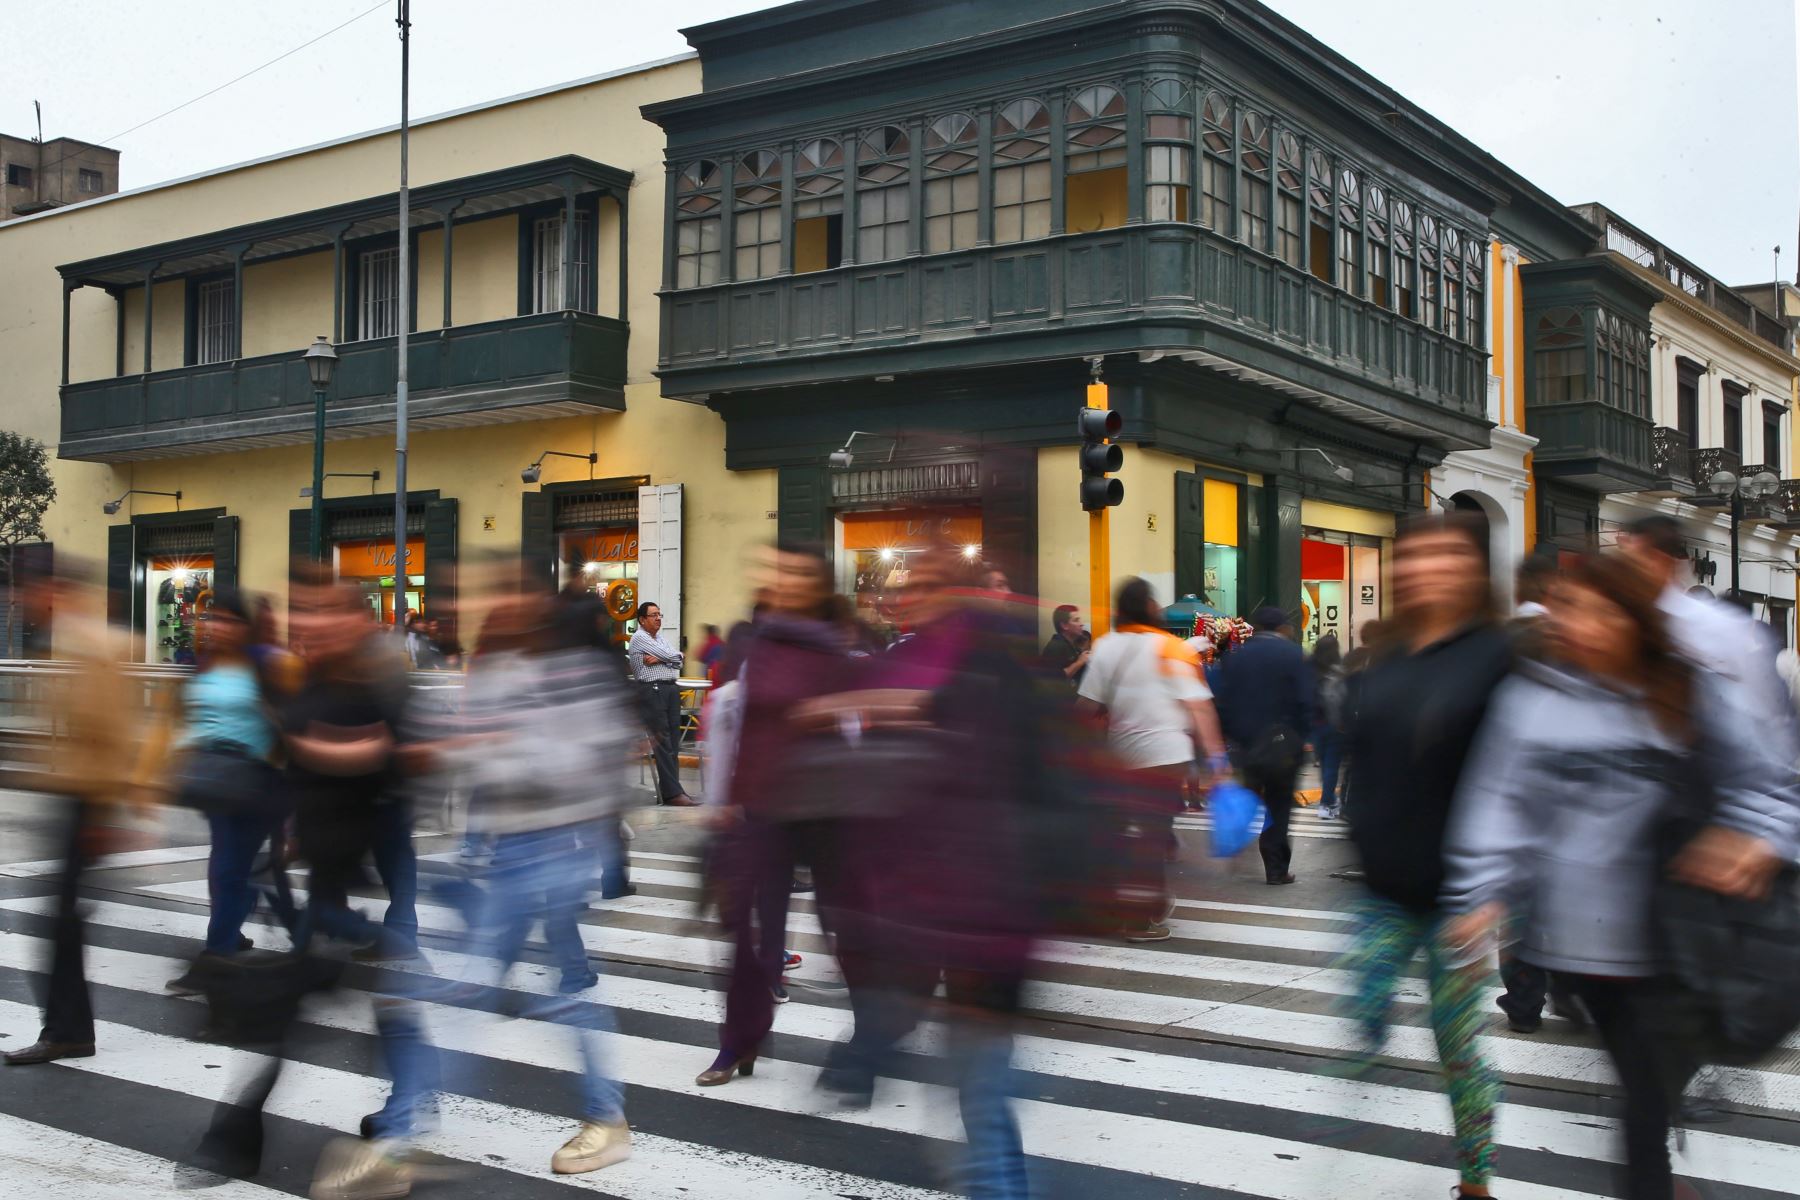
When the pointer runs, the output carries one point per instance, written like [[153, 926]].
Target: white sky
[[1681, 115]]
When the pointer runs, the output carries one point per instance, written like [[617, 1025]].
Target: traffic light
[[1100, 456]]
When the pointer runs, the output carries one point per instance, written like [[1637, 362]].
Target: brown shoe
[[43, 1052], [723, 1069], [682, 801]]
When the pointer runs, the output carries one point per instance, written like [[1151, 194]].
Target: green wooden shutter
[[1190, 537], [537, 536], [1009, 515], [1253, 587], [1284, 553], [121, 570], [225, 552], [440, 556], [803, 496], [299, 534]]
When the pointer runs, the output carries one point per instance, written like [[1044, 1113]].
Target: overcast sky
[[1681, 115]]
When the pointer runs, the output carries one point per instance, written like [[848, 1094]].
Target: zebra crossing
[[1214, 1064]]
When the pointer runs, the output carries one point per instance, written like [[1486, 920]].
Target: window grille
[[216, 336], [697, 201], [547, 254], [1021, 171], [883, 201], [1288, 232], [952, 193], [756, 223], [378, 293]]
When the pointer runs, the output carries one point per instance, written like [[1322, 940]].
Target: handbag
[[1734, 963], [220, 777]]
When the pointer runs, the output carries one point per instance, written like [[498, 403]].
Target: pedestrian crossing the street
[[1213, 1064]]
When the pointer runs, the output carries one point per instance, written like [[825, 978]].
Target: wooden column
[[1059, 158], [337, 287], [1135, 153], [623, 200], [569, 298], [68, 290], [118, 295], [786, 264], [149, 309], [237, 302], [449, 231]]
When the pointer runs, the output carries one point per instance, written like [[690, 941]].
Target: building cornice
[[1668, 293]]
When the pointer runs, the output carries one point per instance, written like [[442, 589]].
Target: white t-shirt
[[1144, 679]]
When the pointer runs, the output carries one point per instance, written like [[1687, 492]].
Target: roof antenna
[[39, 109]]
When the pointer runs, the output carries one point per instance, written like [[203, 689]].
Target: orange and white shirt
[[1144, 677]]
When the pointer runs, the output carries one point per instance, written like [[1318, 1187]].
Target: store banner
[[911, 531], [374, 560], [602, 546]]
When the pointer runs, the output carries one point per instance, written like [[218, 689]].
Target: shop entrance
[[370, 566], [161, 572], [873, 549], [359, 543], [1340, 585]]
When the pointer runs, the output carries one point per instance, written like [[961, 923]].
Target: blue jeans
[[543, 876], [1330, 745], [994, 1168], [398, 865], [236, 837]]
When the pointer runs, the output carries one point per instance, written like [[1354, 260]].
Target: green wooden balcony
[[1171, 290], [520, 368], [1594, 445]]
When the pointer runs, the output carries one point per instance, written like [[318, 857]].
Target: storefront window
[[180, 591], [1220, 553], [877, 545], [370, 565], [1340, 584]]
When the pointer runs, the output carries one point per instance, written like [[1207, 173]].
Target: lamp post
[[1735, 488], [321, 359]]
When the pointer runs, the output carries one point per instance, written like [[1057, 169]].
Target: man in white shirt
[[1158, 712], [656, 665]]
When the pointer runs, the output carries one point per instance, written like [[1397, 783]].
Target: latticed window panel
[[216, 308], [698, 191], [1022, 202], [1095, 123], [378, 293], [756, 219], [547, 265], [819, 178], [883, 220]]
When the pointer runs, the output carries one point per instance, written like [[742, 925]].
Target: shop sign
[[372, 560], [603, 546], [882, 531]]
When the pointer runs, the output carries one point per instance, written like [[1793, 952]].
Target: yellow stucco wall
[[1137, 549], [287, 303]]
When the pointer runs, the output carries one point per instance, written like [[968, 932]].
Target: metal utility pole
[[404, 286]]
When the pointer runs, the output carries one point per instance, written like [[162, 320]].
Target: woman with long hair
[[1328, 713], [1560, 816], [1421, 702]]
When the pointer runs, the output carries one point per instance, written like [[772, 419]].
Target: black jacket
[[1416, 719], [1264, 684]]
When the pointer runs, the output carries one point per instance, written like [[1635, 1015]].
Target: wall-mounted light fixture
[[844, 457], [112, 506], [535, 471]]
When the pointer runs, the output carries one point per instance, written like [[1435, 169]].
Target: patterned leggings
[[1387, 937]]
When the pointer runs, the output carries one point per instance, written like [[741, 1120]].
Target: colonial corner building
[[838, 275]]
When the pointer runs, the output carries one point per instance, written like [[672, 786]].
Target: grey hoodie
[[1559, 808]]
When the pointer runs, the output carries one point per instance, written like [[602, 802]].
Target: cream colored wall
[[168, 319], [1137, 549], [725, 513], [287, 303], [1679, 334], [599, 121], [1320, 515]]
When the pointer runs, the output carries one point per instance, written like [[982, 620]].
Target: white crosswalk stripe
[[1158, 1114]]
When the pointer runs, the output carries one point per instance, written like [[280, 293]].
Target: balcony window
[[215, 313], [1318, 203], [1429, 273], [1687, 398], [1376, 206], [1095, 189], [1349, 230], [1403, 259], [1168, 150], [1474, 264], [1288, 201], [952, 183], [1559, 357], [1021, 171], [818, 205], [1771, 438], [378, 293], [756, 219], [883, 199], [1734, 416], [1255, 145], [1215, 164], [697, 198], [547, 290]]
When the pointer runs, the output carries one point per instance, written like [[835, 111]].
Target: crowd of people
[[1595, 793]]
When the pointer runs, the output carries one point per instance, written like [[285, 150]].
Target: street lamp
[[535, 471], [321, 360], [111, 507], [1729, 485]]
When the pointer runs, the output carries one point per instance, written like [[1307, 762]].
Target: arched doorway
[[1491, 515]]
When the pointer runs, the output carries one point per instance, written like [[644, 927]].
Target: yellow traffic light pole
[[1099, 543]]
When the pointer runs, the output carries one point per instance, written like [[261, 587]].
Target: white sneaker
[[597, 1144], [354, 1169]]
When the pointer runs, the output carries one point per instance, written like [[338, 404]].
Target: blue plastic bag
[[1234, 810]]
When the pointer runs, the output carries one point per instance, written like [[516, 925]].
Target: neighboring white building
[[1723, 380]]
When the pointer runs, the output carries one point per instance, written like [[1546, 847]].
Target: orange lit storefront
[[359, 544], [370, 566], [874, 548], [162, 570]]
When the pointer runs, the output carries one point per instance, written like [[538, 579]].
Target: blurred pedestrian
[[1266, 705], [1421, 705], [656, 665], [1145, 683], [1560, 813], [1328, 717], [712, 649], [227, 742], [93, 767]]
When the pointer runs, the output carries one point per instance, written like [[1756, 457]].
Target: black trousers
[[1276, 787], [68, 1009], [661, 704], [1653, 1069]]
